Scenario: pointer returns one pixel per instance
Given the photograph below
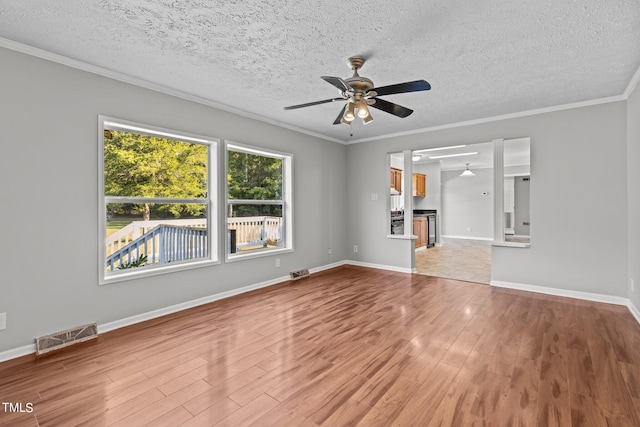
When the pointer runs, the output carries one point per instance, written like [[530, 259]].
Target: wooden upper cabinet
[[419, 184], [396, 180]]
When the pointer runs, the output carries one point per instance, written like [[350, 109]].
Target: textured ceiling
[[482, 58]]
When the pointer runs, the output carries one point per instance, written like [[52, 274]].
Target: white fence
[[256, 229], [248, 230], [131, 232]]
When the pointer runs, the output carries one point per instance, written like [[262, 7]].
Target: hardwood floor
[[348, 346]]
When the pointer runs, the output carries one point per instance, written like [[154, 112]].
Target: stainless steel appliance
[[397, 222]]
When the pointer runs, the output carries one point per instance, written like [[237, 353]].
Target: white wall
[[633, 167], [565, 145], [48, 170], [466, 211]]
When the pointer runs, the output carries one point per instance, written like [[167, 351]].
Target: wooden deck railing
[[256, 230], [162, 244], [133, 231], [164, 241]]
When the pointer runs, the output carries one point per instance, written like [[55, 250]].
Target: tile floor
[[460, 259]]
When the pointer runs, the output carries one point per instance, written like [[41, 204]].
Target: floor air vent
[[66, 338], [300, 274]]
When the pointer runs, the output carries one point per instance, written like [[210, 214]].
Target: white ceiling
[[482, 59], [479, 156]]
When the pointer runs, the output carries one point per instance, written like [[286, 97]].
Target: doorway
[[466, 206]]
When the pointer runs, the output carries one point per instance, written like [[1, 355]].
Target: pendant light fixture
[[467, 171]]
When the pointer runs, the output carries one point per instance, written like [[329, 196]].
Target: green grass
[[120, 221]]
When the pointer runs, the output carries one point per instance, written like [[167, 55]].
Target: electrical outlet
[[632, 285], [374, 196], [355, 248], [329, 251], [468, 229], [3, 321], [277, 262]]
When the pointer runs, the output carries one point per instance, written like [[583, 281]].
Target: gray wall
[[48, 170], [564, 145], [522, 206], [633, 162], [464, 206]]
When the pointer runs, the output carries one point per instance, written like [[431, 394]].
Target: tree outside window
[[155, 198], [256, 199]]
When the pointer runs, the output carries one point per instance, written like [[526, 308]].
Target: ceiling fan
[[360, 94]]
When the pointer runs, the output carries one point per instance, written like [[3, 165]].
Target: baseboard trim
[[587, 296], [14, 353], [634, 311], [153, 314], [128, 321], [327, 267], [380, 266]]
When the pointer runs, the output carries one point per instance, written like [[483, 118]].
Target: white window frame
[[287, 200], [105, 122]]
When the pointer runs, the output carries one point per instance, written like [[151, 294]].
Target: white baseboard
[[634, 310], [17, 352], [128, 321], [327, 267], [380, 266], [488, 239], [588, 296]]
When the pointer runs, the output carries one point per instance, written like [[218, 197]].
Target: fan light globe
[[363, 110], [350, 113]]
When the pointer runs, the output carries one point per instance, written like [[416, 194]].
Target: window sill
[[153, 271], [264, 253], [402, 236]]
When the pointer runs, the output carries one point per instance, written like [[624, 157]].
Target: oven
[[397, 222]]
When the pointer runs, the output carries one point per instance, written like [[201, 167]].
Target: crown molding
[[497, 118], [632, 84], [94, 69], [104, 72]]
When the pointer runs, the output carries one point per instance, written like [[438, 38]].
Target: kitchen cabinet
[[419, 184], [396, 180], [421, 229]]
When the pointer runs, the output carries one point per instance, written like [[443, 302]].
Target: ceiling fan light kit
[[360, 94]]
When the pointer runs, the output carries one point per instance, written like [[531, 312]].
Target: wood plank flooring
[[348, 346]]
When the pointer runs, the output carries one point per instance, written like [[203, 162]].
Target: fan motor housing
[[360, 84]]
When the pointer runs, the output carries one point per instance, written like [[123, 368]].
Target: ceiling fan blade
[[415, 86], [338, 119], [309, 104], [391, 108], [337, 82]]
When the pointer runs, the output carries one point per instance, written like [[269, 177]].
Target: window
[[258, 207], [156, 189]]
